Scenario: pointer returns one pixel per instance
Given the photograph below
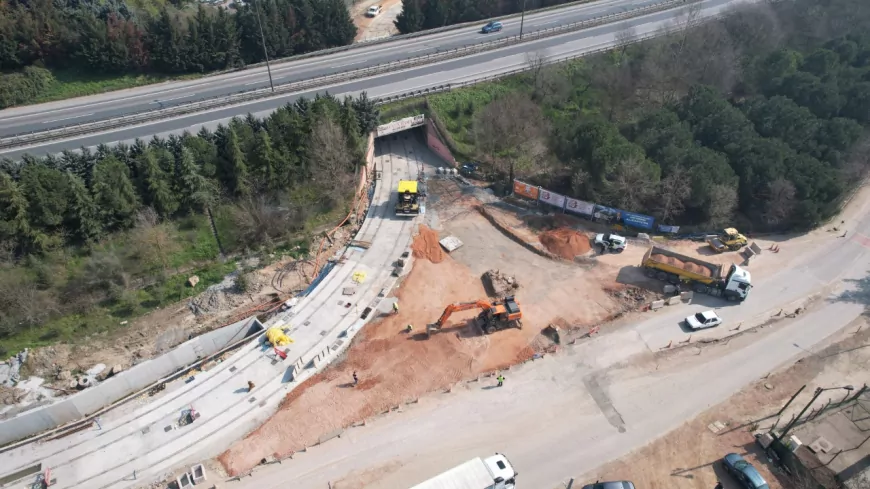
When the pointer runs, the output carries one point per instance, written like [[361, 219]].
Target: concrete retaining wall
[[79, 405]]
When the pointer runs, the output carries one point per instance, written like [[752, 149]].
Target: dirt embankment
[[393, 366], [565, 243]]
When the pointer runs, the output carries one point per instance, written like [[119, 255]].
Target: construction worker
[[409, 328], [396, 307], [500, 380], [250, 386], [355, 379]]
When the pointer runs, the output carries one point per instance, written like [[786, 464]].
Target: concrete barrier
[[131, 381], [672, 301], [657, 305]]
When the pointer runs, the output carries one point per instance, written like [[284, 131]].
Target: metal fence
[[285, 89]]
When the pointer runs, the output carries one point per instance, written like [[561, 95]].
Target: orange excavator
[[494, 316]]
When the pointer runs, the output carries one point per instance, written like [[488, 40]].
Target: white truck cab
[[494, 472], [738, 283]]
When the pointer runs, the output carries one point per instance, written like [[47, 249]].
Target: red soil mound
[[426, 245], [565, 242]]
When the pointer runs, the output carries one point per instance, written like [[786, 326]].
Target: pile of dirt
[[426, 245], [499, 284], [565, 243], [630, 297], [688, 266]]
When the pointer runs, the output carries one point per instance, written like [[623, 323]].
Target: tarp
[[637, 220], [668, 229], [276, 337]]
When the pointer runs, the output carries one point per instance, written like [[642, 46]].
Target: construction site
[[471, 250]]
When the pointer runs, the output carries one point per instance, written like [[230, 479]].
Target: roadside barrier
[[289, 88]]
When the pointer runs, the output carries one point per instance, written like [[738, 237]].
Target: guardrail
[[257, 94]]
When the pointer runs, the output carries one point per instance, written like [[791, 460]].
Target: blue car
[[493, 26], [744, 472]]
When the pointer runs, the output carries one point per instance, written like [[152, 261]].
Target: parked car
[[610, 242], [493, 26], [703, 320], [610, 485], [744, 472], [373, 11]]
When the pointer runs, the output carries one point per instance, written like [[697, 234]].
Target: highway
[[114, 104], [452, 71]]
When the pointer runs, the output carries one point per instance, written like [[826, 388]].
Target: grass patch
[[74, 83]]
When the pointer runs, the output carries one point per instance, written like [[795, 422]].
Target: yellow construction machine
[[494, 316], [409, 197], [728, 239]]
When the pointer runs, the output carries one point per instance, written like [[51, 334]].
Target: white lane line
[[255, 82], [547, 23], [160, 101], [67, 118], [348, 64], [421, 49]]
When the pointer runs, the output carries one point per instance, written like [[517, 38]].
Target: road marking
[[160, 101], [67, 118], [547, 23], [421, 49], [349, 64], [254, 82]]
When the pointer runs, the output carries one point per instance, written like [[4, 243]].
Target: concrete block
[[197, 473], [687, 296], [184, 481], [672, 301], [657, 305], [755, 248]]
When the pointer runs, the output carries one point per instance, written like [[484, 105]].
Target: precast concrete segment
[[112, 104], [145, 443], [456, 71]]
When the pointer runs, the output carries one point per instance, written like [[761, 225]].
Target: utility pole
[[522, 20], [263, 39]]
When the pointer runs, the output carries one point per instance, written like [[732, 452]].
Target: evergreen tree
[[367, 112], [411, 18], [166, 44], [46, 192], [154, 185], [196, 191], [114, 194], [264, 160], [82, 218], [14, 223], [235, 170]]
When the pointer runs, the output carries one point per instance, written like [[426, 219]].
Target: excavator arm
[[460, 306]]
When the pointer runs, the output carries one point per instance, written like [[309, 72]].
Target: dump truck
[[728, 239], [409, 198], [494, 316], [494, 472], [703, 277]]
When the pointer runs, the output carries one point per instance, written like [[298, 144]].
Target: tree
[[410, 19], [780, 201], [196, 192], [235, 170], [264, 160], [14, 223], [330, 161], [510, 131], [82, 217], [152, 241], [723, 201], [114, 194], [154, 184], [631, 182], [45, 190], [673, 191]]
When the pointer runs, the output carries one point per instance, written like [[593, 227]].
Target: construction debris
[[193, 280], [451, 243], [498, 284]]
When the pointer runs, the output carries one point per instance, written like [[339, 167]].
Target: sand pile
[[565, 242], [688, 266], [426, 245]]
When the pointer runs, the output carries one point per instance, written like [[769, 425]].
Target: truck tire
[[489, 329], [649, 272], [662, 276], [701, 289]]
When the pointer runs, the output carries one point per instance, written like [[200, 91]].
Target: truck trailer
[[494, 472], [704, 277]]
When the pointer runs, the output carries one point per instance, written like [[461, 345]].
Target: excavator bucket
[[431, 329]]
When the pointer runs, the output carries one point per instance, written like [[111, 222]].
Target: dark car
[[610, 485], [744, 472], [493, 26]]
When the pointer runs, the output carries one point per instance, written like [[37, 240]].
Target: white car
[[373, 11], [703, 320], [612, 242]]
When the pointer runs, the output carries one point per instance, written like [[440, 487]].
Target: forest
[[758, 119], [107, 234], [111, 38]]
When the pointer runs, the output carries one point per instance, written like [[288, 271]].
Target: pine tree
[[154, 185], [114, 194], [411, 18], [234, 168], [196, 191], [82, 218], [264, 160], [46, 192], [14, 224], [367, 112]]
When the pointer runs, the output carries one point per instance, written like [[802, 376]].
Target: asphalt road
[[563, 416], [451, 71], [48, 116]]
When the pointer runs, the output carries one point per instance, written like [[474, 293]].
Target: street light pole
[[522, 19], [263, 40], [816, 395]]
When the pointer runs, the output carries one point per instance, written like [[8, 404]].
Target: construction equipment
[[704, 277], [728, 239], [409, 198], [494, 316]]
